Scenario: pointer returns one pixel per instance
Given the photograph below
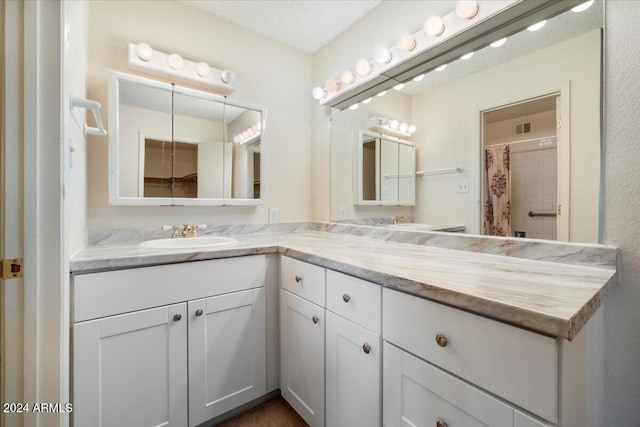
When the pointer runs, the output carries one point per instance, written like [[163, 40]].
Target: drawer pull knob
[[298, 279], [346, 298], [441, 423], [315, 319], [366, 348], [177, 317], [199, 312], [442, 342]]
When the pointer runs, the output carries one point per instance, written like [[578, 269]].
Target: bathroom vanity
[[353, 330]]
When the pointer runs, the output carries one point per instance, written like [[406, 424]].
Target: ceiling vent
[[522, 128]]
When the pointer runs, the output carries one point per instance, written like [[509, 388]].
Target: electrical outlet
[[463, 187], [384, 189], [343, 213], [274, 215]]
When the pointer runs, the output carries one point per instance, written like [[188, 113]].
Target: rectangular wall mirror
[[537, 94], [170, 145]]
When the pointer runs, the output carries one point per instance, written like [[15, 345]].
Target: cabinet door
[[131, 369], [227, 353], [302, 357], [353, 374], [418, 394]]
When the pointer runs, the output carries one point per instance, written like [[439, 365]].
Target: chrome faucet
[[399, 219]]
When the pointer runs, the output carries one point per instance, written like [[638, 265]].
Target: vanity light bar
[[142, 57], [250, 135], [391, 127], [411, 45]]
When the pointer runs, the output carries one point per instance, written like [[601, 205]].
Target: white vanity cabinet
[[302, 335], [199, 353]]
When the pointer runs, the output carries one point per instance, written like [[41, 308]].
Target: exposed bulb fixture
[[411, 129], [499, 43], [245, 134], [393, 124], [406, 42], [441, 68], [582, 7], [418, 78], [348, 77], [403, 127], [536, 27], [332, 85], [434, 26], [467, 9], [466, 56], [383, 55], [353, 107], [382, 93], [250, 132], [144, 51], [318, 93], [399, 86], [254, 128], [363, 67], [203, 69], [228, 77], [366, 101], [237, 139], [175, 61]]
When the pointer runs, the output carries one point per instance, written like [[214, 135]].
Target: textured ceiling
[[306, 25]]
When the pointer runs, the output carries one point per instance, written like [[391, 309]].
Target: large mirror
[[507, 142], [171, 145]]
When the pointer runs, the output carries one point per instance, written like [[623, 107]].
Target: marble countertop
[[552, 298]]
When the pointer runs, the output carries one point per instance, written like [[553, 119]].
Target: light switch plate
[[274, 215]]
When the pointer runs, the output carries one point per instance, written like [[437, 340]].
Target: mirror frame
[[115, 199]]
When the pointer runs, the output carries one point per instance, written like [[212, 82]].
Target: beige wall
[[543, 125], [268, 73]]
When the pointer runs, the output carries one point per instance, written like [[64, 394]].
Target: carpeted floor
[[274, 413]]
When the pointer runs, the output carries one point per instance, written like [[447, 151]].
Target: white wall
[[621, 201], [269, 74]]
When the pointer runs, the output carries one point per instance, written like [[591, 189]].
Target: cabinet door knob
[[346, 298], [442, 341], [441, 423], [298, 279], [315, 319], [177, 317], [199, 312], [366, 348]]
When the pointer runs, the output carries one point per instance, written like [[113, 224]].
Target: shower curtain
[[497, 207]]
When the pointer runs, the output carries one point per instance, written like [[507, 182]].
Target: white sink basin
[[189, 242]]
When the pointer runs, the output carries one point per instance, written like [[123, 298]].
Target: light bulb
[[467, 9], [434, 26], [366, 101], [383, 56], [228, 77], [582, 7], [441, 68], [399, 86], [245, 134], [363, 67], [466, 56], [418, 78], [498, 43], [536, 27], [393, 124], [332, 85], [406, 42], [348, 77], [175, 61], [254, 128], [353, 107], [411, 129], [318, 93], [403, 127], [383, 121], [382, 93], [203, 69], [144, 51], [250, 132], [236, 139]]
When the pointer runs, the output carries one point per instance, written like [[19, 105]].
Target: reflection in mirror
[[481, 102], [244, 131]]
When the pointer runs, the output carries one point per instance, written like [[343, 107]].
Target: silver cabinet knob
[[199, 312], [177, 317], [441, 340], [441, 423], [366, 348], [298, 279], [315, 319], [346, 298]]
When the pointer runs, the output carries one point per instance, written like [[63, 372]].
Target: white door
[[353, 359], [227, 353], [302, 357], [131, 369]]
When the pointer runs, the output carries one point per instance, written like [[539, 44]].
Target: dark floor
[[274, 413]]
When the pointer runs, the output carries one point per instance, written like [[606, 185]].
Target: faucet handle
[[200, 226], [168, 227]]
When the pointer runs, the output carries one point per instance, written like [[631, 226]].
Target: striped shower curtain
[[497, 206]]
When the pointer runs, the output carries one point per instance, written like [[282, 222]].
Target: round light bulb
[[366, 101], [236, 139], [348, 77], [467, 9], [250, 132], [254, 128], [582, 7], [403, 127], [175, 61], [383, 121], [418, 78], [203, 69], [434, 26], [399, 86], [332, 85], [363, 67], [393, 124], [536, 27], [499, 43], [406, 42], [383, 55], [353, 107], [411, 129], [441, 68], [228, 77], [466, 56], [318, 93], [382, 93], [245, 134], [144, 51]]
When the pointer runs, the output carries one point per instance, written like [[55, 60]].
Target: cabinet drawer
[[354, 299], [515, 364], [303, 279]]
